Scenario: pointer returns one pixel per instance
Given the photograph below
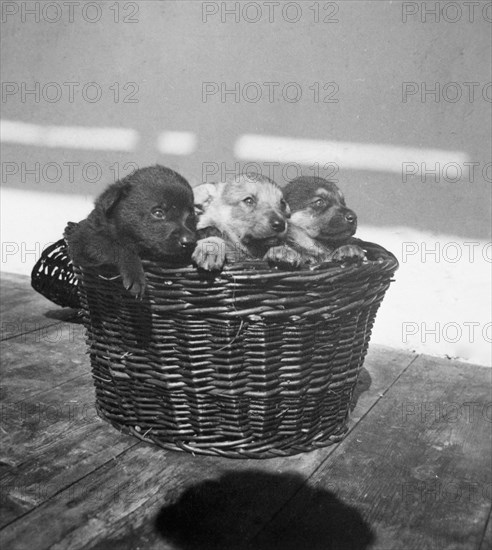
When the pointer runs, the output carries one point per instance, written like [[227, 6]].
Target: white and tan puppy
[[240, 219]]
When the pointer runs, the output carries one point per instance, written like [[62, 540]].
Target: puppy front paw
[[283, 256], [210, 254], [348, 252], [134, 280]]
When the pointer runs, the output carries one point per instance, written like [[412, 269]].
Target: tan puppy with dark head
[[322, 226], [239, 220]]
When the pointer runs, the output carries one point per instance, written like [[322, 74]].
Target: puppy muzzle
[[187, 243], [351, 217], [342, 226], [278, 224], [343, 220]]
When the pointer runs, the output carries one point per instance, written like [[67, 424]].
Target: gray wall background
[[173, 48]]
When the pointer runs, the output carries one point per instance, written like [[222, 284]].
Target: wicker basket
[[255, 363], [53, 275]]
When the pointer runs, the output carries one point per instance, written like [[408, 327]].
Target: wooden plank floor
[[414, 472]]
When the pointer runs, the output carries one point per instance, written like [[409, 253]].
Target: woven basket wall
[[255, 363]]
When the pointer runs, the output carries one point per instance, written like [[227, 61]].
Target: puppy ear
[[341, 197], [204, 194], [288, 211], [107, 200]]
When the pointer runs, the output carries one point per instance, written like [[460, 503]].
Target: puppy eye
[[320, 203], [283, 204], [249, 201], [158, 213]]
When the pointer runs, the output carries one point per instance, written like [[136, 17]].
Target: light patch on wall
[[68, 137], [176, 143], [348, 155]]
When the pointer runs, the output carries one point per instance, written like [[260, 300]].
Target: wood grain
[[24, 310], [50, 442], [41, 360]]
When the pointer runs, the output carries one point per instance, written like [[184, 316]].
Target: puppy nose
[[187, 242], [351, 217], [278, 225]]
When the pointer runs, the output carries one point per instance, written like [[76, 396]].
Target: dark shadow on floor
[[229, 514]]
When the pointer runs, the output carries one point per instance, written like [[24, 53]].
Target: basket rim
[[260, 269], [254, 288]]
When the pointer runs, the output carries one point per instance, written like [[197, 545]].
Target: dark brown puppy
[[148, 213], [240, 219], [322, 226]]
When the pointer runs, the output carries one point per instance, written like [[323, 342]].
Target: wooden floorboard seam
[[26, 332], [381, 395], [67, 487], [485, 529], [47, 390]]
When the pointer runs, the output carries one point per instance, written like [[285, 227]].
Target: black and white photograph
[[246, 275]]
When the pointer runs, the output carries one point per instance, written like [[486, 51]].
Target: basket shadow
[[234, 512]]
